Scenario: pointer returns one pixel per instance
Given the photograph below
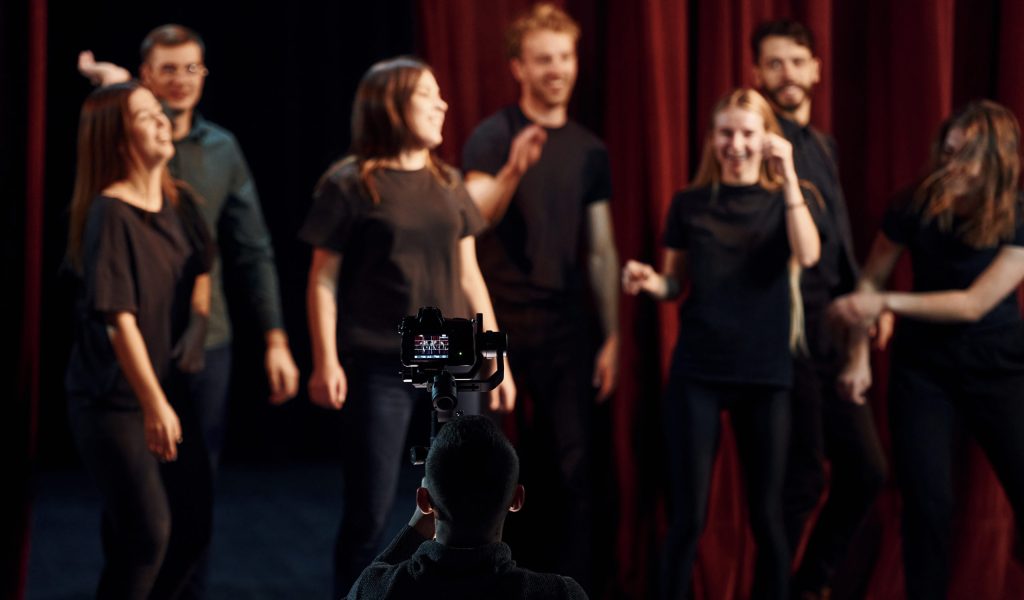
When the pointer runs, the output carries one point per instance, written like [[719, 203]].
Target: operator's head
[[173, 65], [471, 478], [541, 46]]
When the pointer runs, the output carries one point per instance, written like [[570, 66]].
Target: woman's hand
[[162, 428], [778, 153], [858, 309], [503, 397], [640, 277], [328, 386]]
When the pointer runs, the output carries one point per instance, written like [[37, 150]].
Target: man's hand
[[606, 368], [328, 386], [854, 381], [526, 148], [282, 374], [101, 73]]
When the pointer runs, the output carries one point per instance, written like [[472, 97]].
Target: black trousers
[[156, 516], [551, 358], [928, 406], [827, 427], [760, 418]]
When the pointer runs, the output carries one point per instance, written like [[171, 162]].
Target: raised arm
[[328, 385], [492, 194], [804, 241], [162, 428], [603, 266], [503, 399], [101, 73]]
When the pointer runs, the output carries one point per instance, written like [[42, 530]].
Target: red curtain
[[650, 70]]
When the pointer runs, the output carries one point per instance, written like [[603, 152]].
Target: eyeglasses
[[166, 71]]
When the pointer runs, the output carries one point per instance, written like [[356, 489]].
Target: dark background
[[282, 81]]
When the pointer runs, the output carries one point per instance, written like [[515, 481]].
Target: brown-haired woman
[[405, 226], [958, 350], [736, 238], [139, 253]]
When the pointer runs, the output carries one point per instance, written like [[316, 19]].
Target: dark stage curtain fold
[[22, 153], [649, 73]]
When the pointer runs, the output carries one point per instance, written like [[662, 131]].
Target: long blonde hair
[[709, 174]]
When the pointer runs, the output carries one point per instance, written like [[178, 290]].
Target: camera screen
[[430, 347]]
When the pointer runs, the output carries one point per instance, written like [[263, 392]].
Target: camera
[[445, 356]]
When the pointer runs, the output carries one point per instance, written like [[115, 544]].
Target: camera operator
[[452, 547]]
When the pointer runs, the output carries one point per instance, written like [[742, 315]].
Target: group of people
[[759, 246]]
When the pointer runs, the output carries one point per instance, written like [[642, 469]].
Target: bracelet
[[796, 205]]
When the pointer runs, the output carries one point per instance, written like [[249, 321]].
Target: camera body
[[431, 344]]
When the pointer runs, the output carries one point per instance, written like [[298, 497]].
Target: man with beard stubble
[[824, 426], [543, 183]]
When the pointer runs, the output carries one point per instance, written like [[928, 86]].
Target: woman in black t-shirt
[[736, 239], [392, 229], [958, 352], [139, 253]]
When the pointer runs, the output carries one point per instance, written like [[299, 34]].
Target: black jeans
[[760, 418], [552, 358], [824, 426], [375, 420], [927, 407], [156, 516]]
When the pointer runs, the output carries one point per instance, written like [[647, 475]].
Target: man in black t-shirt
[[542, 182], [823, 425]]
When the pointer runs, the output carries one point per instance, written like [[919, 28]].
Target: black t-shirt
[[814, 156], [398, 254], [734, 324], [140, 262], [533, 255], [941, 261]]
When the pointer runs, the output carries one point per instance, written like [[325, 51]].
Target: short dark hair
[[170, 35], [788, 28], [471, 472]]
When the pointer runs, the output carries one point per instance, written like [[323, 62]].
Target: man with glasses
[[208, 158]]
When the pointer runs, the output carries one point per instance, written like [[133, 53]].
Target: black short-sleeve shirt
[[140, 262], [941, 261], [533, 255], [398, 254], [734, 324]]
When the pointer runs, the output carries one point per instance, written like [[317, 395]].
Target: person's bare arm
[[640, 277], [162, 427], [101, 73], [328, 385], [492, 194], [502, 399], [603, 266]]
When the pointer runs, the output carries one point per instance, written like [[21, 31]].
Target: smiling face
[[425, 112], [175, 74], [149, 130], [738, 140], [546, 67], [786, 73]]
